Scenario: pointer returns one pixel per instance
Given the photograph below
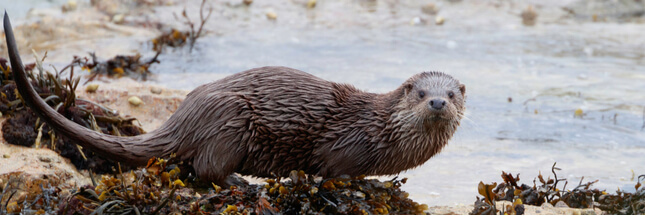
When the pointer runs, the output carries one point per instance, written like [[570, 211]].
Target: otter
[[272, 120]]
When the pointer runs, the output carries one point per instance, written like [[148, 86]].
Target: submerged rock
[[604, 10]]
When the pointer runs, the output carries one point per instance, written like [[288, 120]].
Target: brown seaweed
[[157, 189], [121, 65], [176, 38], [24, 128], [624, 203], [35, 196], [553, 190]]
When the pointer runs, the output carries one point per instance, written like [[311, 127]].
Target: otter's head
[[434, 97]]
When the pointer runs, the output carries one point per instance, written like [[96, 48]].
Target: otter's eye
[[422, 94], [451, 95]]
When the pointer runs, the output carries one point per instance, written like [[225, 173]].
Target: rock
[[430, 9], [603, 10], [529, 16], [577, 114], [417, 21], [34, 166], [272, 15], [156, 90], [135, 101], [439, 20], [118, 18], [587, 212], [91, 88], [561, 204], [70, 6], [311, 4]]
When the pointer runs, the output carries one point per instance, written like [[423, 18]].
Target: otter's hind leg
[[221, 137]]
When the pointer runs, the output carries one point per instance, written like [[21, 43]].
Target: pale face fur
[[425, 87]]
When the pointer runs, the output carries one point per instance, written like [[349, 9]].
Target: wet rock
[[311, 4], [430, 9], [529, 16], [606, 10], [578, 113], [69, 6]]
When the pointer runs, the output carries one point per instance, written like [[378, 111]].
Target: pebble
[[529, 16], [118, 18], [311, 4], [430, 9], [561, 204], [91, 88], [587, 212], [416, 21], [156, 90], [578, 114], [272, 15], [70, 6], [6, 156], [135, 101], [248, 2], [439, 20]]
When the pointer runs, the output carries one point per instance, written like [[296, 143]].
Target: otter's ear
[[462, 88], [407, 87]]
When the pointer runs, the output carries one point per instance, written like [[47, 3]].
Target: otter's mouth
[[440, 117]]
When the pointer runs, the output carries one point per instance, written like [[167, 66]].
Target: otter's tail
[[129, 150]]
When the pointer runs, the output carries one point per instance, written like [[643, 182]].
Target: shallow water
[[549, 70]]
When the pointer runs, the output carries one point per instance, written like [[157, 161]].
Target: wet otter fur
[[272, 120]]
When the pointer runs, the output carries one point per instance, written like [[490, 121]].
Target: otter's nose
[[437, 104]]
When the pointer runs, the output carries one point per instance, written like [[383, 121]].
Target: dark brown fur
[[277, 119]]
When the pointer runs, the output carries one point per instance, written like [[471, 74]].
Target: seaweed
[[144, 191], [176, 38], [158, 189], [302, 194], [24, 128], [549, 191], [623, 202], [34, 196], [117, 67]]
